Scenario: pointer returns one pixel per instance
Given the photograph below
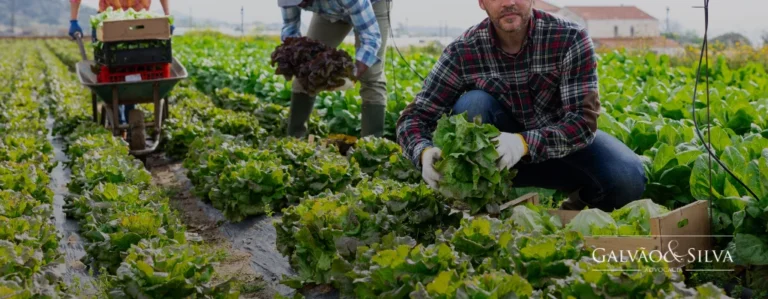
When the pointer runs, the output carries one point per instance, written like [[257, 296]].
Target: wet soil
[[73, 271], [252, 269], [199, 218], [251, 242]]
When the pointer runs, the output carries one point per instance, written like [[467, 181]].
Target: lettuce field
[[230, 197]]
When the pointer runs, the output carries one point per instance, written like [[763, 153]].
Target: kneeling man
[[533, 75]]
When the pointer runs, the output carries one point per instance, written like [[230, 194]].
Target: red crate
[[146, 71]]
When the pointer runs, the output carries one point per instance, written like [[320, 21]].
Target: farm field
[[233, 208]]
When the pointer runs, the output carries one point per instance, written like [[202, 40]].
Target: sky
[[744, 16]]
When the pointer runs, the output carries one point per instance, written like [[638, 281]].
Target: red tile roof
[[542, 5], [610, 12]]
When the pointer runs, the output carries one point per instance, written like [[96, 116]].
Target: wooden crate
[[131, 30], [688, 227]]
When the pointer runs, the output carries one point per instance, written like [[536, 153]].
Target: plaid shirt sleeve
[[367, 27], [418, 120], [291, 21], [579, 94]]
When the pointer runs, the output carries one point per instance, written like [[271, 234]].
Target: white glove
[[428, 172], [511, 149]]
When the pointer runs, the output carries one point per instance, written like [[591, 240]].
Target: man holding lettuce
[[137, 5], [332, 20], [534, 76]]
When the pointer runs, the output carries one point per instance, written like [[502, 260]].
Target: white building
[[613, 21], [614, 27]]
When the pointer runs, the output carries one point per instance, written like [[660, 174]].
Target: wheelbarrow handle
[[79, 39]]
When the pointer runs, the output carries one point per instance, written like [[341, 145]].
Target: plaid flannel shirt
[[121, 4], [359, 13], [550, 87]]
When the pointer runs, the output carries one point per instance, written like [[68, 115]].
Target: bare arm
[[166, 8], [74, 9]]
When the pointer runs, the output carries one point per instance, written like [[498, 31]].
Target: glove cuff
[[525, 144], [73, 21], [421, 156]]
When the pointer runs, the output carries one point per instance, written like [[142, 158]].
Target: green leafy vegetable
[[383, 158], [158, 269], [634, 218], [252, 187], [530, 218], [468, 165], [593, 222]]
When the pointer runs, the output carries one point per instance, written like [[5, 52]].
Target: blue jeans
[[607, 174], [123, 109]]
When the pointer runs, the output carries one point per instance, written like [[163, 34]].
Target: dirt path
[[249, 266]]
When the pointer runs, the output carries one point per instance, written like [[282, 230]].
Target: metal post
[[242, 20], [668, 29]]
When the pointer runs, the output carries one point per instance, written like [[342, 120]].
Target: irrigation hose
[[712, 156]]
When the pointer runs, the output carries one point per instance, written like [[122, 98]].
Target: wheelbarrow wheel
[[136, 122]]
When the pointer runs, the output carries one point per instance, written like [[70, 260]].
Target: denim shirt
[[359, 13]]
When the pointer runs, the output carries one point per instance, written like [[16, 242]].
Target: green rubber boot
[[301, 107], [372, 120]]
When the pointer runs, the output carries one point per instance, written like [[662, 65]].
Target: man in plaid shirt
[[534, 76], [331, 22]]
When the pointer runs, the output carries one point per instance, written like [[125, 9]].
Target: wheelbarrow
[[106, 99]]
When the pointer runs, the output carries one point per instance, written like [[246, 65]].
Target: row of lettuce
[[133, 239], [215, 61], [248, 171], [29, 241], [647, 103]]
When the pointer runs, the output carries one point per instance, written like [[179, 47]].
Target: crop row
[[483, 257], [215, 62], [245, 173], [133, 237], [193, 114], [29, 241]]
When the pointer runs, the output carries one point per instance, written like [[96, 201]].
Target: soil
[[73, 271], [251, 243], [238, 264], [199, 219]]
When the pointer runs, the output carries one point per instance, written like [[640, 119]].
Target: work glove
[[74, 27], [428, 172], [511, 148], [172, 27]]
